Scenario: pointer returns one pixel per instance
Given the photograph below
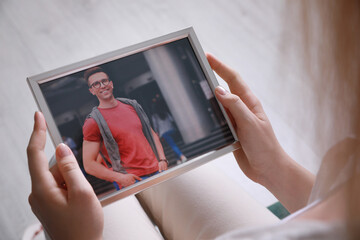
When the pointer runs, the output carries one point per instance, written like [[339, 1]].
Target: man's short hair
[[92, 71]]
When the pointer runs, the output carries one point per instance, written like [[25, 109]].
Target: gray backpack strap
[[145, 122], [109, 141]]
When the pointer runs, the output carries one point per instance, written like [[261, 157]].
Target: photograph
[[131, 118]]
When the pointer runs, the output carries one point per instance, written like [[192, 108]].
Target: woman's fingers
[[238, 110], [236, 84], [70, 170], [37, 161], [231, 77], [57, 175]]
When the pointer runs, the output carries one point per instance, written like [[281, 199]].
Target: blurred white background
[[250, 36]]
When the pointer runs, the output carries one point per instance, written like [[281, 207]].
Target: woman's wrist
[[288, 181], [278, 162]]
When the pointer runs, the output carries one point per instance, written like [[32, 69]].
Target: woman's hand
[[260, 147], [62, 199], [260, 157]]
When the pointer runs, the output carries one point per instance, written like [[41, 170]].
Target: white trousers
[[201, 204]]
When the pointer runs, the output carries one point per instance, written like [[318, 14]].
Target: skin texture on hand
[[252, 126], [126, 180], [62, 199], [261, 157], [163, 166]]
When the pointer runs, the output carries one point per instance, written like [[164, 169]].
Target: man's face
[[103, 92]]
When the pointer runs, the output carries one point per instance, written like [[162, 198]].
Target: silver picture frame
[[187, 36]]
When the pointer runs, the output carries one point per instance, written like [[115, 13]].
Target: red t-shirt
[[136, 154]]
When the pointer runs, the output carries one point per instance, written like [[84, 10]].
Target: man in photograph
[[119, 143]]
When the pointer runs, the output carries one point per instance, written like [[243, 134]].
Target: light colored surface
[[200, 200], [126, 219], [40, 35]]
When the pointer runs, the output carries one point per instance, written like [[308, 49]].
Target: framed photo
[[137, 116]]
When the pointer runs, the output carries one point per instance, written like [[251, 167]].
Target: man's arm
[[162, 164], [158, 145], [95, 168]]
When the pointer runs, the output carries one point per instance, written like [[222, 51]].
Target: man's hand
[[163, 166], [62, 198], [126, 180]]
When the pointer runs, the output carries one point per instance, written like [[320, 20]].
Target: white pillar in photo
[[190, 115]]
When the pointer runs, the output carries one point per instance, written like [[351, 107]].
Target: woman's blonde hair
[[332, 57]]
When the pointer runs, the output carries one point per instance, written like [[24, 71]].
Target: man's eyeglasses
[[97, 84]]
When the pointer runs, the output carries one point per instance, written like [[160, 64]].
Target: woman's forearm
[[290, 183]]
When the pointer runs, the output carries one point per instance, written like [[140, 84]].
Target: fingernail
[[221, 90], [62, 150], [36, 115]]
